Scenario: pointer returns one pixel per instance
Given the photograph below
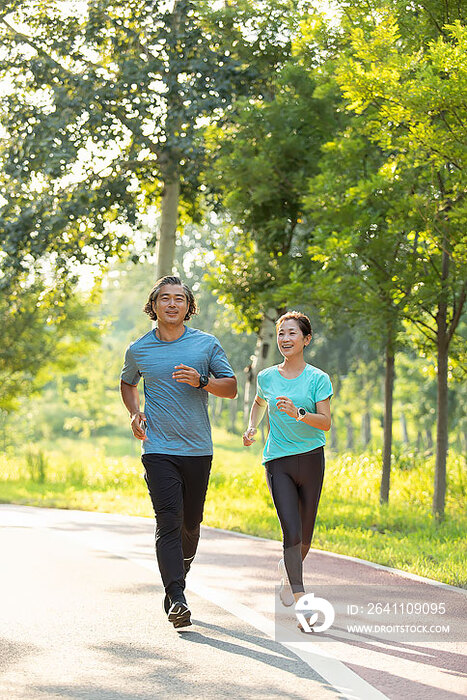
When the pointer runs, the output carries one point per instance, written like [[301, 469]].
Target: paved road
[[81, 617]]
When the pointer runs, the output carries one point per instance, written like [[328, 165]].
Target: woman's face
[[290, 339]]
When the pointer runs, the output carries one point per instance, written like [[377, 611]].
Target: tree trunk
[[429, 439], [260, 360], [3, 420], [218, 408], [387, 443], [168, 227], [405, 434], [439, 493], [233, 416], [215, 409], [419, 441], [239, 402], [350, 434], [366, 428], [264, 428], [170, 157], [333, 444]]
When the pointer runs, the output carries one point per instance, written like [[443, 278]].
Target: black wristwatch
[[203, 380]]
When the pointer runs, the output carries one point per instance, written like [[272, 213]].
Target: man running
[[180, 366]]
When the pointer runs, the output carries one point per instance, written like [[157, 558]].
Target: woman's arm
[[320, 419], [257, 412]]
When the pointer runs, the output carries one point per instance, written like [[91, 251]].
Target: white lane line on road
[[344, 680]]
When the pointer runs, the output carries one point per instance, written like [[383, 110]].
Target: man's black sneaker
[[179, 615], [166, 604]]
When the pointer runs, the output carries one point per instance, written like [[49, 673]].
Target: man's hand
[[187, 375], [286, 406], [248, 438], [137, 425]]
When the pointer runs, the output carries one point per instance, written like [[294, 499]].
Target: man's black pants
[[177, 486]]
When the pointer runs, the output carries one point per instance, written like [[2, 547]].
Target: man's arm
[[130, 397], [224, 387]]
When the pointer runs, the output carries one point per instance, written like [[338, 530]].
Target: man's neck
[[168, 333]]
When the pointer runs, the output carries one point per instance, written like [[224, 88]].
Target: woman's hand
[[286, 406], [248, 438]]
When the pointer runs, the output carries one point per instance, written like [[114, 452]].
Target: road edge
[[373, 565]]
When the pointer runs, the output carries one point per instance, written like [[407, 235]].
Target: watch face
[[301, 412], [203, 380]]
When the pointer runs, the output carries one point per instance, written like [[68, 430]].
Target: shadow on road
[[265, 650], [12, 652]]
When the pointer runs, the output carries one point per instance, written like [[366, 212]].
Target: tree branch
[[143, 49], [119, 112], [434, 20], [27, 40], [427, 331]]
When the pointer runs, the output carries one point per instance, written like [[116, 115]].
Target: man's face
[[171, 305]]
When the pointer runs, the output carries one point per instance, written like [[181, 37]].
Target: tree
[[44, 330], [103, 120], [260, 171], [416, 395], [416, 107], [365, 253], [356, 263]]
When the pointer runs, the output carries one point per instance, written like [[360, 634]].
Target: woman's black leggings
[[295, 484]]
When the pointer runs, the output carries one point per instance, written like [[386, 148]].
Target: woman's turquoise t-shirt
[[288, 436]]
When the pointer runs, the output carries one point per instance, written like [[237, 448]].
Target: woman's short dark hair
[[154, 293], [303, 321]]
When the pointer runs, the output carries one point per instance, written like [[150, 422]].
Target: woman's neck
[[292, 367]]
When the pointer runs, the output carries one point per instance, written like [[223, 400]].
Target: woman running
[[297, 396]]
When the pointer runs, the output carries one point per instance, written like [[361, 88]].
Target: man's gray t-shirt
[[176, 413]]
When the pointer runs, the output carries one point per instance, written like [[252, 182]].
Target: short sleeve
[[259, 389], [219, 365], [323, 388], [130, 373]]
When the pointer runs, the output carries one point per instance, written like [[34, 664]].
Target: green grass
[[107, 476]]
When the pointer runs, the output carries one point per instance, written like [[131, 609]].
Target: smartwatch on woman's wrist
[[301, 413]]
